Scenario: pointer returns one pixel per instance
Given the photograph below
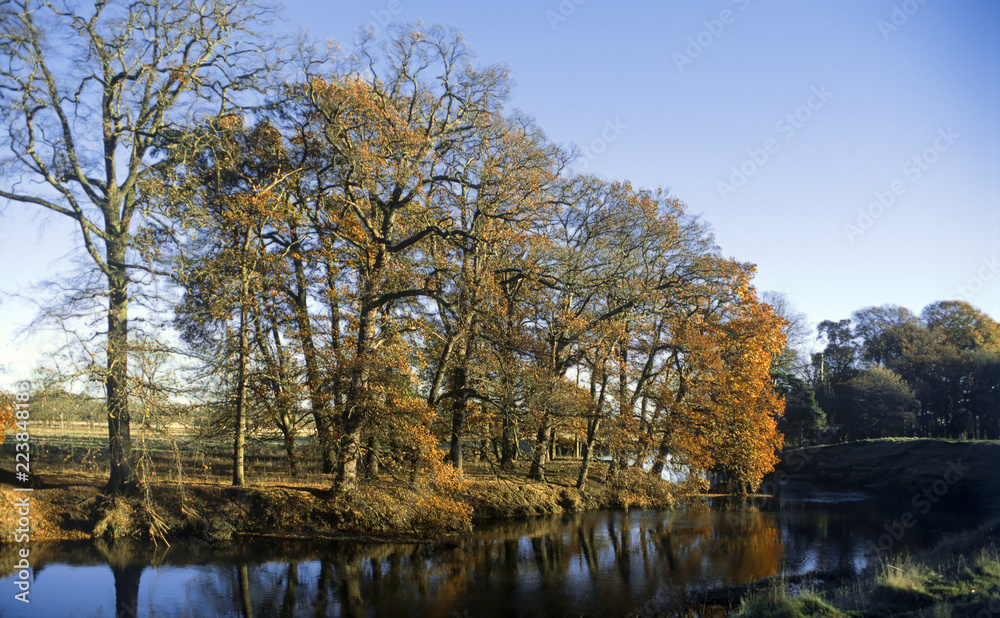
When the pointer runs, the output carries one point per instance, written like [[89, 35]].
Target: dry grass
[[187, 492], [960, 576]]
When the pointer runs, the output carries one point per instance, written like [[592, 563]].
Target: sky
[[848, 148]]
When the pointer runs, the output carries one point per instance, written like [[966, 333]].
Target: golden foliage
[[7, 409], [727, 420]]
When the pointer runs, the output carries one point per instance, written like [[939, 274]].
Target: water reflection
[[602, 563]]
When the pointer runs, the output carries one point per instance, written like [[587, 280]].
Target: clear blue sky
[[848, 100]]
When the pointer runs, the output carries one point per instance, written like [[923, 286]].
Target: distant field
[[78, 448]]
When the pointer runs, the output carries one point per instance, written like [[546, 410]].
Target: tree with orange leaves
[[6, 413], [387, 148], [229, 195], [723, 409]]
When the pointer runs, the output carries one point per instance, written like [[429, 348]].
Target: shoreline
[[960, 575], [71, 507]]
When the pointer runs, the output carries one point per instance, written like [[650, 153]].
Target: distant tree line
[[888, 372]]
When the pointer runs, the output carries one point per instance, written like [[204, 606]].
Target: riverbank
[[960, 576], [926, 471], [70, 506]]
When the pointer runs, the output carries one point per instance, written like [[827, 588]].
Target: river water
[[604, 563]]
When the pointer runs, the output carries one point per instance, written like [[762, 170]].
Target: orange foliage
[[6, 413], [727, 421]]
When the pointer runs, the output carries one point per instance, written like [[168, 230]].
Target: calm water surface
[[608, 563]]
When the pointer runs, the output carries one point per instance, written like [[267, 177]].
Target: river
[[602, 563]]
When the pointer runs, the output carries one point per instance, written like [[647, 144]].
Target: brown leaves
[[727, 420]]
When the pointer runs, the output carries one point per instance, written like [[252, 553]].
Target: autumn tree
[[748, 440], [498, 184], [229, 191], [723, 407], [89, 97], [378, 139], [7, 409], [654, 287], [591, 252]]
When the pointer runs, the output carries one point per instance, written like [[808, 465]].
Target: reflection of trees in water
[[574, 564], [612, 559], [840, 536], [821, 540], [243, 584], [127, 568], [127, 589], [569, 565]]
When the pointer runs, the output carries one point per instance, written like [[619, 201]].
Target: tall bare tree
[[90, 95]]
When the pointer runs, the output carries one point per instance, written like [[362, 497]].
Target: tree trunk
[[592, 427], [318, 399], [350, 448], [539, 458], [318, 396], [115, 382], [459, 410], [660, 461], [509, 446], [371, 460], [239, 440], [598, 392], [355, 411], [457, 426]]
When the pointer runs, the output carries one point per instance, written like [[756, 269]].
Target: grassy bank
[[68, 473], [956, 471], [958, 577]]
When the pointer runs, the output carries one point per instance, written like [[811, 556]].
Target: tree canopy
[[382, 255]]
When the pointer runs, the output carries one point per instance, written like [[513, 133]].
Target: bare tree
[[794, 357], [90, 96]]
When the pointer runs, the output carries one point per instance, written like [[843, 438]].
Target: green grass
[[950, 580], [892, 440], [777, 604]]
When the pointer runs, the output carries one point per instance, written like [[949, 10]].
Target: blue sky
[[849, 148]]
